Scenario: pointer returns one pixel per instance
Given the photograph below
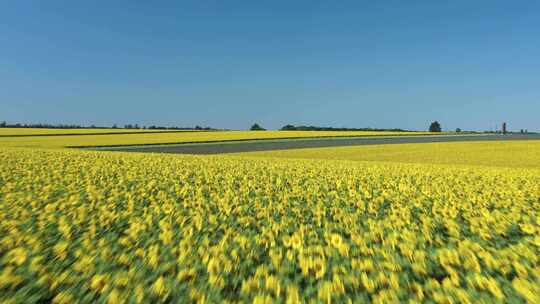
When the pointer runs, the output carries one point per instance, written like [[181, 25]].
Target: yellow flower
[[325, 292], [60, 250], [159, 288], [335, 240], [529, 291], [292, 295], [213, 266], [273, 285], [63, 298], [287, 241], [296, 241], [17, 256], [139, 293], [520, 269], [8, 278], [262, 299], [114, 297], [97, 282], [319, 267]]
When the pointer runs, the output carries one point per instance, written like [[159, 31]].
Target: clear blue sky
[[227, 64]]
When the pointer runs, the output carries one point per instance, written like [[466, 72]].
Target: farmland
[[178, 137], [442, 222], [518, 154], [302, 145], [78, 131], [261, 152]]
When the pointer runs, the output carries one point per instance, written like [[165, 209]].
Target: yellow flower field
[[108, 227], [179, 137], [524, 154], [45, 131]]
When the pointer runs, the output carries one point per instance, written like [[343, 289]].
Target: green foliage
[[290, 127], [257, 127], [435, 127]]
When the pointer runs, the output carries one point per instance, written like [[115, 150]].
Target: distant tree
[[458, 130], [198, 127], [114, 126], [3, 124], [288, 128], [136, 126], [435, 127], [256, 127]]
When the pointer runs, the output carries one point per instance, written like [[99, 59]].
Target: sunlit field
[[179, 137], [291, 195], [44, 131], [81, 226], [525, 154]]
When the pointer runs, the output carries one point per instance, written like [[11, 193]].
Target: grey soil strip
[[280, 144], [244, 140]]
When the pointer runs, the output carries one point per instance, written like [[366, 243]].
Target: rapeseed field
[[517, 154], [57, 131], [109, 227], [179, 137]]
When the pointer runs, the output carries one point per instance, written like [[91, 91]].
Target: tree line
[[257, 127], [433, 127], [4, 124], [317, 128]]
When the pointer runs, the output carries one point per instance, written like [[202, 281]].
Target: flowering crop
[[55, 131], [179, 137], [80, 226], [517, 154]]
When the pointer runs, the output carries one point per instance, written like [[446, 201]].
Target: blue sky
[[227, 64]]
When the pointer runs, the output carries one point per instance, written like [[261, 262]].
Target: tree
[[435, 127], [3, 124], [288, 128], [458, 130], [256, 127]]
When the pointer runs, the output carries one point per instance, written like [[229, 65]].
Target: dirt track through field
[[276, 144]]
